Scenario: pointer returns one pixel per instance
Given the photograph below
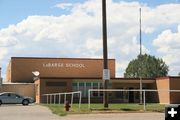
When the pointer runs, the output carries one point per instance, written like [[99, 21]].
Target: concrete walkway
[[37, 112]]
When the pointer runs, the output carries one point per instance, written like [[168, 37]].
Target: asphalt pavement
[[37, 112], [31, 112]]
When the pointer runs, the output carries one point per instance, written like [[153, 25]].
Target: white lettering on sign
[[106, 74], [75, 65], [66, 65]]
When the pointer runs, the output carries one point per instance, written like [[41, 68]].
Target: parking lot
[[31, 112], [37, 112]]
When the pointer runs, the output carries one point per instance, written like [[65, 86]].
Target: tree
[[146, 66], [179, 74]]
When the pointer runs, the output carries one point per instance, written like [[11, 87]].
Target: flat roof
[[59, 58], [95, 78], [11, 83], [135, 78], [166, 77]]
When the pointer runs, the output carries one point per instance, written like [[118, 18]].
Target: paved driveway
[[37, 112], [31, 112]]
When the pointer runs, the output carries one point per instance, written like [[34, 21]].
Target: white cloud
[[78, 34], [154, 19], [3, 53], [120, 67], [168, 44], [93, 44], [64, 6]]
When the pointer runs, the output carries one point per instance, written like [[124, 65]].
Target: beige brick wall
[[20, 69], [37, 90], [8, 72], [163, 84], [22, 89]]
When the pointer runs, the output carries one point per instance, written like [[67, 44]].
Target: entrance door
[[131, 96]]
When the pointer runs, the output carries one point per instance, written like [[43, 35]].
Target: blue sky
[[28, 26], [14, 11]]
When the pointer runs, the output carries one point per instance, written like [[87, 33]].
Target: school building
[[59, 75]]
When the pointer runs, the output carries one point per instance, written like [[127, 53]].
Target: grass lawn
[[59, 109]]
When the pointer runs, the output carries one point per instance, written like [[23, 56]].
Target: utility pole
[[140, 31], [140, 49], [105, 55]]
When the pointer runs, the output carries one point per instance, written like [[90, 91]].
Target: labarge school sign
[[64, 65]]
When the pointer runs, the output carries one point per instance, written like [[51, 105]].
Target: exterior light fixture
[[36, 75]]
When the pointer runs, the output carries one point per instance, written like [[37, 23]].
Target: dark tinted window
[[15, 95], [5, 94]]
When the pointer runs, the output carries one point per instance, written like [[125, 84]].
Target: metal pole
[[105, 54], [47, 99], [140, 31], [64, 98], [72, 95], [55, 99], [89, 102], [140, 70], [50, 99], [144, 100], [59, 98], [141, 91], [80, 100]]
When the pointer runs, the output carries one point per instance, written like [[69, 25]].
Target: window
[[85, 86], [101, 87], [137, 94], [88, 86], [95, 93], [5, 95], [75, 88], [14, 96], [119, 94], [126, 95], [81, 88]]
